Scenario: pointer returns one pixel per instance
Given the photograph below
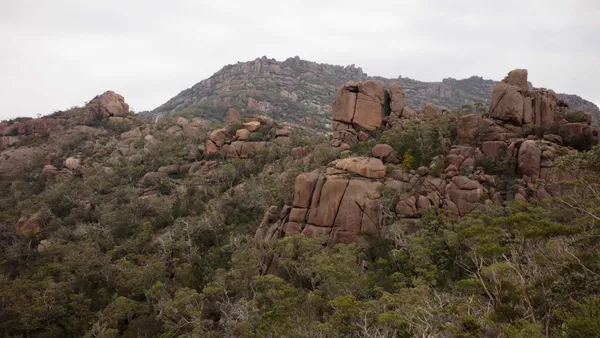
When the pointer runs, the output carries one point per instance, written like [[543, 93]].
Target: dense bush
[[423, 141]]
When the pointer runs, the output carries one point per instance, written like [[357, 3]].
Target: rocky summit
[[410, 214], [300, 92]]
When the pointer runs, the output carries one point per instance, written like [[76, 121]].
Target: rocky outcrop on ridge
[[351, 197], [301, 92]]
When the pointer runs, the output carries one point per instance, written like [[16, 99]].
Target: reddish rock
[[528, 117], [303, 189], [494, 149], [252, 125], [325, 208], [544, 104], [431, 111], [360, 104], [233, 116], [467, 126], [397, 100], [423, 204], [345, 103], [112, 104], [517, 78], [359, 211], [407, 207], [364, 166], [507, 103], [382, 151], [34, 223], [242, 134], [182, 121], [218, 137], [211, 148], [529, 159]]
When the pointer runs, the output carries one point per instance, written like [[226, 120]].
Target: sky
[[59, 54]]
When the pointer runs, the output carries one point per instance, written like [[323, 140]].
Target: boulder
[[370, 103], [517, 78], [467, 126], [345, 103], [361, 104], [112, 104], [218, 137], [382, 151], [529, 159], [431, 111], [252, 125], [242, 134], [34, 223], [365, 166], [211, 148], [397, 100], [507, 103], [407, 207], [463, 195], [73, 163]]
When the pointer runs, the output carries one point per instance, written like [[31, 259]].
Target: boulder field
[[344, 202]]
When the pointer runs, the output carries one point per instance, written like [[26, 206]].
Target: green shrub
[[503, 166]]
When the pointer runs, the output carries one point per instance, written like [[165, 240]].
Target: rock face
[[514, 102], [359, 105], [333, 207]]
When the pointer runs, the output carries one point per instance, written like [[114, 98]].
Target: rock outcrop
[[332, 206], [344, 202], [301, 92], [257, 133]]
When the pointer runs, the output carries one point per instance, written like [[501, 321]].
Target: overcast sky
[[57, 54]]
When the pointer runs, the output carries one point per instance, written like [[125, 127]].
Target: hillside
[[400, 222], [300, 92]]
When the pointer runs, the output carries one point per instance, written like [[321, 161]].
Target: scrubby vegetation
[[174, 257]]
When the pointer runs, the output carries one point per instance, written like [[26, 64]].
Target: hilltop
[[300, 92]]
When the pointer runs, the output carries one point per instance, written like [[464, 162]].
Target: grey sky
[[56, 54]]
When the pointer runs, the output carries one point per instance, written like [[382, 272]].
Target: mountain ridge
[[300, 92]]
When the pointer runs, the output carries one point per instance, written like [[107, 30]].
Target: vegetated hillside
[[301, 92], [419, 223]]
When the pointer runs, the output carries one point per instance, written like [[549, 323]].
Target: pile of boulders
[[254, 134], [344, 201]]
